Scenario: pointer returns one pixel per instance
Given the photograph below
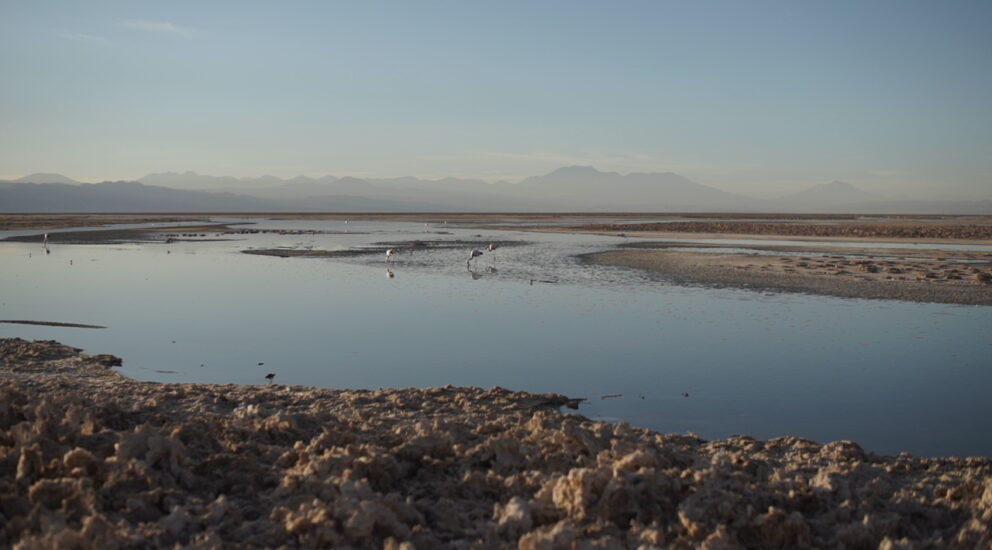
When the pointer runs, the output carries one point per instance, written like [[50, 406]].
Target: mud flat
[[398, 247], [91, 459], [127, 236], [951, 278], [978, 229], [56, 221]]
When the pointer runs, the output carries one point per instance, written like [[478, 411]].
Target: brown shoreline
[[49, 323], [89, 458], [817, 229], [42, 220], [914, 279], [744, 236]]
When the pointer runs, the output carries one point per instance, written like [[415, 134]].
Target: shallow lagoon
[[892, 376]]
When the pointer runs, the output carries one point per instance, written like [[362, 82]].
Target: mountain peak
[[576, 171], [836, 184], [42, 177], [833, 193]]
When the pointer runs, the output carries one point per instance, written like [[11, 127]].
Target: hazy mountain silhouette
[[117, 197], [589, 189], [573, 188], [448, 194], [825, 196], [303, 187], [202, 182], [46, 178], [130, 196]]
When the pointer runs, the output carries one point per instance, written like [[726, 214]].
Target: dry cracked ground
[[91, 459]]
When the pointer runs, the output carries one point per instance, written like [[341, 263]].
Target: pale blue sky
[[758, 97]]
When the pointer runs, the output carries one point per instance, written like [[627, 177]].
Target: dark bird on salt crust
[[475, 254], [270, 376]]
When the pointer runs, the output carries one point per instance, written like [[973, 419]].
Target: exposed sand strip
[[913, 279], [903, 231]]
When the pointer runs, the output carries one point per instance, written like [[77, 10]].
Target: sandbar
[[939, 277]]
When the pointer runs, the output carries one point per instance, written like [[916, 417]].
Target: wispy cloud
[[81, 37], [156, 26]]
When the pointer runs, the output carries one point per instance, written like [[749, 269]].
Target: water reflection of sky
[[893, 376]]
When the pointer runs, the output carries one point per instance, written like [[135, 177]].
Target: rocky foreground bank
[[90, 459]]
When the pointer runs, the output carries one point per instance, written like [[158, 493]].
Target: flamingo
[[475, 254], [45, 242], [389, 254]]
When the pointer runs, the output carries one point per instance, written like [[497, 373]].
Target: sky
[[754, 97]]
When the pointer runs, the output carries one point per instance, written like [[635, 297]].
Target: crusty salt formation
[[91, 459]]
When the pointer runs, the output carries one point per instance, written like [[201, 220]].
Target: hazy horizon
[[765, 98]]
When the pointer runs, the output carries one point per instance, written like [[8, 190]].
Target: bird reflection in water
[[489, 270]]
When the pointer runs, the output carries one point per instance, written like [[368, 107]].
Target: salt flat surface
[[893, 376]]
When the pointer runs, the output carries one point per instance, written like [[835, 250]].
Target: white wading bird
[[389, 254]]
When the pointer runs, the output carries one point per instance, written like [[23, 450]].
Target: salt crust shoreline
[[91, 459], [788, 275]]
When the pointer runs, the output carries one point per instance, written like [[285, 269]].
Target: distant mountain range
[[569, 189], [46, 178], [837, 192]]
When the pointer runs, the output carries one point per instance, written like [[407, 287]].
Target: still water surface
[[892, 376]]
